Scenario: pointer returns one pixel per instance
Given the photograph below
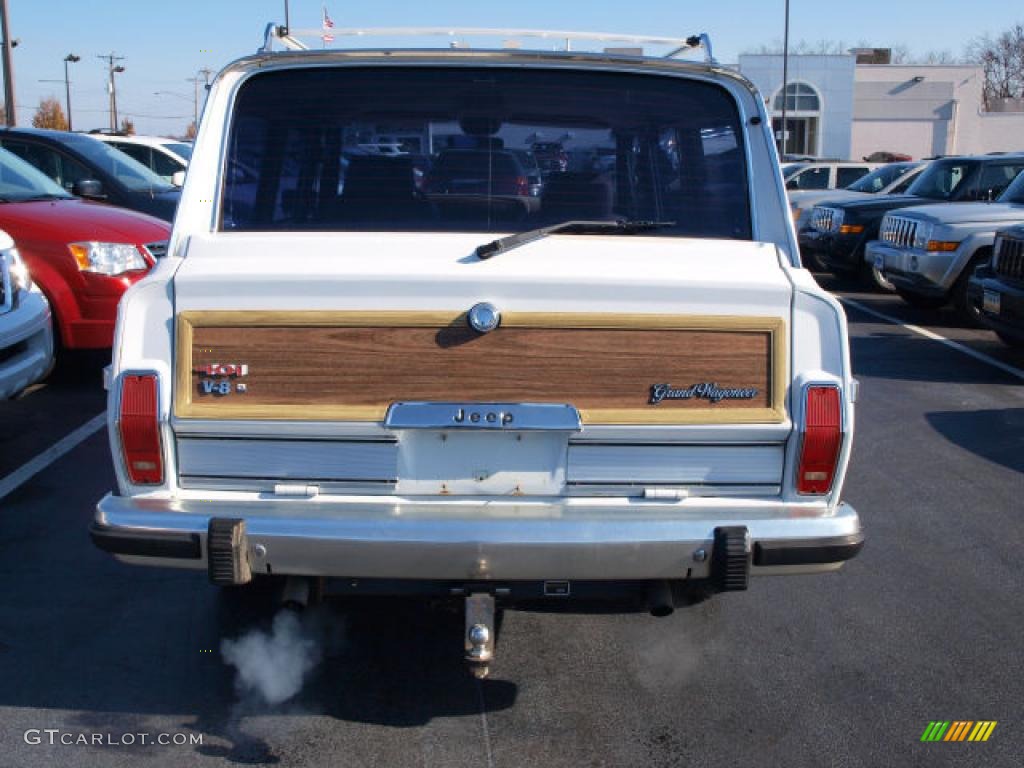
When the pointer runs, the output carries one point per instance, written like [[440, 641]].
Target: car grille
[[6, 289], [823, 219], [899, 231], [157, 250], [1009, 261]]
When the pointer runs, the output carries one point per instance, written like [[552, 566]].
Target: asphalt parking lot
[[843, 670]]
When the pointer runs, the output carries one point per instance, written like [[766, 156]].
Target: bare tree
[[128, 126], [50, 115], [190, 132], [1002, 61]]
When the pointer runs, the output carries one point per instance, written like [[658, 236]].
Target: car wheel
[[922, 302], [1017, 342], [968, 311], [812, 262]]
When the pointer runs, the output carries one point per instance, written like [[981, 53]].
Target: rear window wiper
[[624, 227]]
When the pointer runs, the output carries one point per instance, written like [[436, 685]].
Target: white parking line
[[27, 471], [1005, 367]]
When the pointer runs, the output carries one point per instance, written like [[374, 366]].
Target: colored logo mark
[[958, 730]]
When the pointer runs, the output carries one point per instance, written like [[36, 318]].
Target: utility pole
[[69, 59], [205, 72], [111, 70], [8, 44], [195, 100]]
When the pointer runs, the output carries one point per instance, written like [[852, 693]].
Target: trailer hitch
[[480, 633]]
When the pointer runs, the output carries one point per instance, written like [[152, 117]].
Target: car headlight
[[922, 234], [107, 258], [20, 278]]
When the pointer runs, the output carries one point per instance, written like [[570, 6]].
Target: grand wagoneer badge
[[703, 391]]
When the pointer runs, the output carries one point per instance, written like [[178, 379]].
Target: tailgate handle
[[510, 417]]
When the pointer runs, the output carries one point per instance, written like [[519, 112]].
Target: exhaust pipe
[[295, 595], [659, 599]]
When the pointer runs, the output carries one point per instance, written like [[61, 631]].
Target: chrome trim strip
[[681, 465], [310, 460], [510, 417]]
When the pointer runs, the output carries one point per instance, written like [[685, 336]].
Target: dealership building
[[849, 106]]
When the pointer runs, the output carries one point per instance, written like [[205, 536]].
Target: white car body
[[26, 333], [642, 495]]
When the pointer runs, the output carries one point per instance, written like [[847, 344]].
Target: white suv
[[825, 175], [626, 383]]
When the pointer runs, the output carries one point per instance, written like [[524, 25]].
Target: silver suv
[[929, 252]]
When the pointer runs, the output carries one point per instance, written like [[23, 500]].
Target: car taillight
[[139, 428], [822, 438], [522, 186]]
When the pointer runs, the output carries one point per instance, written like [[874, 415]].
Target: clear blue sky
[[165, 43]]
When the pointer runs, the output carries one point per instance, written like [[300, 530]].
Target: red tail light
[[823, 436], [522, 186], [139, 428]]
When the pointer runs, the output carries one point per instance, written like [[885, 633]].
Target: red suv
[[83, 255]]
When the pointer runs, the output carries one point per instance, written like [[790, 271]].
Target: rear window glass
[[482, 149]]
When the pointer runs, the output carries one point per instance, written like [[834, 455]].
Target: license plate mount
[[991, 302]]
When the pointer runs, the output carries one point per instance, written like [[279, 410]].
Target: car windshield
[[1015, 192], [881, 178], [942, 179], [20, 181], [180, 148], [676, 154], [126, 170]]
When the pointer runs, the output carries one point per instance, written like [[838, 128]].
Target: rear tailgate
[[291, 348]]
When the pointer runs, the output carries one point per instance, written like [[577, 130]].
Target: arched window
[[800, 97]]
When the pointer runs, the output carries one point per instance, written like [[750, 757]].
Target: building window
[[803, 115], [800, 97]]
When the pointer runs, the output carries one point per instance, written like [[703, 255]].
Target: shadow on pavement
[[996, 435]]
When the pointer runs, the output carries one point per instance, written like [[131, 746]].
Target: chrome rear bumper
[[480, 540]]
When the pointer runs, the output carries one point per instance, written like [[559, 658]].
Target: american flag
[[328, 25]]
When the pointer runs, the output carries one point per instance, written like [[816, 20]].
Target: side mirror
[[178, 179], [90, 189]]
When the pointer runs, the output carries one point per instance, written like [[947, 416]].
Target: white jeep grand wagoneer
[[428, 370]]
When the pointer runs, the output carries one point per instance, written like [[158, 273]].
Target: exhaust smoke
[[273, 665]]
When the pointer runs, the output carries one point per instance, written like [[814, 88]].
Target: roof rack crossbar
[[291, 38]]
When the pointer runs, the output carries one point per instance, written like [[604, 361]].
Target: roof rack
[[291, 39]]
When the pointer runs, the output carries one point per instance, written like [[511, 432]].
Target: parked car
[[93, 170], [650, 397], [551, 156], [26, 334], [461, 180], [996, 289], [81, 254], [531, 167], [838, 232], [930, 252], [167, 158], [891, 179], [827, 174]]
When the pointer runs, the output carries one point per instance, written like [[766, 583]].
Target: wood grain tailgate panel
[[338, 367]]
